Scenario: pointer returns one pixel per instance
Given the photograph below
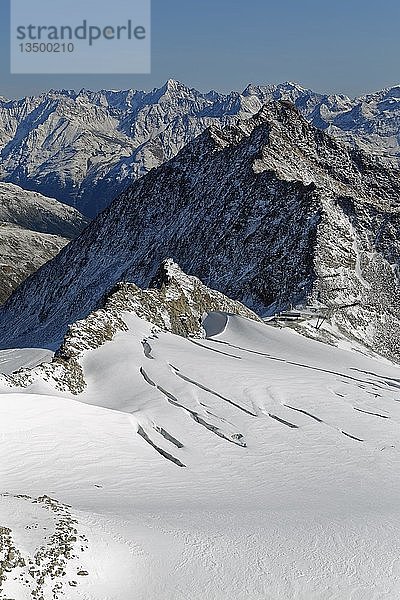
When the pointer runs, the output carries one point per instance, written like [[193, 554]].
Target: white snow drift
[[253, 464]]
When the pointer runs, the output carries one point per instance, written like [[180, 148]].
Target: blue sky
[[348, 46]]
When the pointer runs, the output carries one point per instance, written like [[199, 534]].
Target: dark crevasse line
[[214, 350], [168, 436], [291, 425], [206, 389], [147, 349], [304, 412], [380, 377], [235, 439], [303, 366], [367, 412], [243, 349], [163, 453], [353, 437], [146, 377]]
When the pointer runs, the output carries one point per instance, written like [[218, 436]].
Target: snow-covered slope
[[30, 210], [33, 229], [178, 306], [271, 212], [86, 147], [251, 464], [16, 358]]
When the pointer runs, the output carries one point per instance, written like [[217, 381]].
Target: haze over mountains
[[84, 148]]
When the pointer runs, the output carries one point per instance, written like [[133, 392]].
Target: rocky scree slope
[[177, 305], [33, 229], [271, 212], [84, 148]]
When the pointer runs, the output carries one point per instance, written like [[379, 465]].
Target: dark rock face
[[270, 212]]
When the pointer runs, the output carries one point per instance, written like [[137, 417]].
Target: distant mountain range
[[84, 148], [272, 212]]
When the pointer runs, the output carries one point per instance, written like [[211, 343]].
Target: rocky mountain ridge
[[84, 148], [177, 305], [272, 212]]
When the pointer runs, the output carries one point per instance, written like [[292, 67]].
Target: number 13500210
[[46, 47]]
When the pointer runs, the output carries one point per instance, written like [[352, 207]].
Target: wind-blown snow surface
[[290, 481], [17, 358]]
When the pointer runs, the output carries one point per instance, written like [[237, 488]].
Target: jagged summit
[[173, 85], [387, 93], [268, 115], [259, 89]]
